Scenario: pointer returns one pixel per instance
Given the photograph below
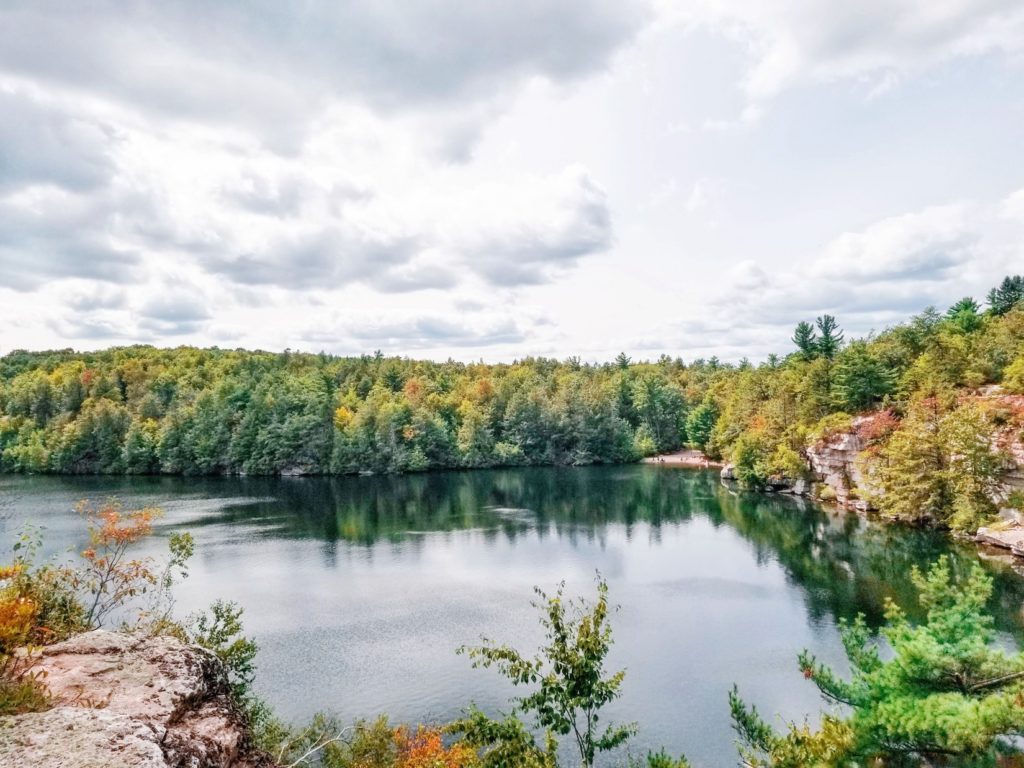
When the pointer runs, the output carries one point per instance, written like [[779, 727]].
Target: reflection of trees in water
[[843, 564]]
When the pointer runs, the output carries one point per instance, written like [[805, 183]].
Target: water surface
[[358, 590]]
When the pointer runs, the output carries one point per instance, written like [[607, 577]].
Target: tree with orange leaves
[[109, 575], [424, 748]]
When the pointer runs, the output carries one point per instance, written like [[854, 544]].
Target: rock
[[728, 472], [74, 737], [1006, 537], [834, 461], [127, 700], [799, 487]]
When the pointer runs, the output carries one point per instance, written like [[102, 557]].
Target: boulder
[[121, 699], [728, 472]]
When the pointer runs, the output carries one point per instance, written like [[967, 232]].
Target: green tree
[[568, 674], [940, 466], [700, 424], [965, 315], [750, 461], [806, 341], [944, 688], [859, 379], [1007, 295], [830, 338], [911, 471], [974, 466]]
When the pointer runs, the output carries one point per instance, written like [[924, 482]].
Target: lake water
[[359, 590]]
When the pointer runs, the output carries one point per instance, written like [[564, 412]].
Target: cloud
[[326, 260], [91, 297], [41, 143], [267, 195], [528, 234], [877, 42], [870, 279], [174, 311], [428, 331], [923, 246], [274, 66], [308, 149], [53, 234]]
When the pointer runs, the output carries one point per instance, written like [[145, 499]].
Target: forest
[[146, 410]]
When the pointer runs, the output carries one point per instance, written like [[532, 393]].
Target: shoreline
[[687, 458]]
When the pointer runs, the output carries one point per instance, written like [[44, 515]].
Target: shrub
[[20, 690], [749, 457], [830, 426], [1013, 377]]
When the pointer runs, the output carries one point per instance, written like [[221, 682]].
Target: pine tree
[[1009, 294], [860, 380], [965, 315], [911, 471], [805, 340], [944, 690], [831, 338]]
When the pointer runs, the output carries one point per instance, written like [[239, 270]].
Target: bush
[[749, 457], [787, 463], [1013, 377], [660, 759]]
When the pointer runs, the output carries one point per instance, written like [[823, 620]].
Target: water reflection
[[844, 564], [359, 589]]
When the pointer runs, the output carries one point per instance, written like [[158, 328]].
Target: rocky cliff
[[837, 471], [122, 701]]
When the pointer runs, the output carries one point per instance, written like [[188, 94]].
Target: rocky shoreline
[[835, 475]]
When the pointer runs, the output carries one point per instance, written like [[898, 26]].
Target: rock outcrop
[[834, 462], [836, 469], [121, 700]]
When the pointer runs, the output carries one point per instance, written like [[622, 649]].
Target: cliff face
[[126, 701], [834, 463]]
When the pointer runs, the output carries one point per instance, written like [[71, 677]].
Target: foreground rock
[[121, 700]]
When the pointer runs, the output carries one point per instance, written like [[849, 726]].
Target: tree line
[[143, 410]]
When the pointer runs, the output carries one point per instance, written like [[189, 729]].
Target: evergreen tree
[[700, 424], [805, 340], [940, 466], [860, 380], [965, 315], [830, 339], [945, 689], [1009, 294], [911, 471], [973, 466]]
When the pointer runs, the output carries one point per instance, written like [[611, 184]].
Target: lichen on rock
[[126, 700]]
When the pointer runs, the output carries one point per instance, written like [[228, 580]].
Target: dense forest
[[145, 410]]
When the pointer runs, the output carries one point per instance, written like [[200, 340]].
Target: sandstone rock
[[1006, 537], [728, 472], [126, 700], [73, 737]]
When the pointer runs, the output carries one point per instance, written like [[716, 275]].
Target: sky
[[495, 180]]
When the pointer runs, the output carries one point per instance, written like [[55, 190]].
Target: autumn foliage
[[108, 575], [424, 748], [45, 603]]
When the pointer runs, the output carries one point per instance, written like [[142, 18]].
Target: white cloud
[[870, 279], [493, 181], [923, 246], [876, 42]]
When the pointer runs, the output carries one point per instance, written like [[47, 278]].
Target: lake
[[359, 590]]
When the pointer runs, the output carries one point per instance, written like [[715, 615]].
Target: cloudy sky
[[544, 177]]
